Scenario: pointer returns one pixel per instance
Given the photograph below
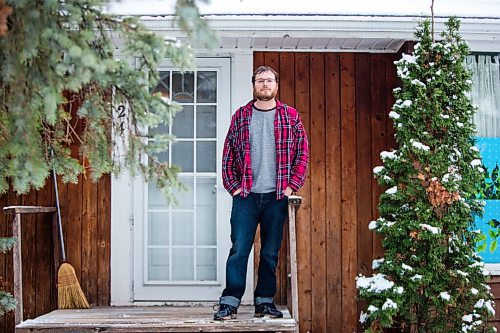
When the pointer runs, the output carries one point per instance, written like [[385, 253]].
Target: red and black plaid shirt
[[292, 151]]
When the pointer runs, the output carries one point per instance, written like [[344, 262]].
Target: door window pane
[[163, 157], [182, 155], [158, 231], [183, 125], [206, 264], [185, 199], [205, 157], [158, 264], [183, 87], [206, 121], [206, 88], [156, 200], [206, 229], [182, 228], [183, 264]]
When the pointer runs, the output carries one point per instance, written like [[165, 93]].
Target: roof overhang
[[319, 25], [328, 32]]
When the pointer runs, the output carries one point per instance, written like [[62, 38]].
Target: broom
[[69, 292]]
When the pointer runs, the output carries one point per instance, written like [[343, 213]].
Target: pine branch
[[6, 244]]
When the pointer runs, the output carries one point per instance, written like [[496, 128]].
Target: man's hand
[[238, 191], [288, 191]]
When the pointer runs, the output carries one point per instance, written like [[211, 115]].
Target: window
[[486, 95]]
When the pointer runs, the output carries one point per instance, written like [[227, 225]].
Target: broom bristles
[[70, 294]]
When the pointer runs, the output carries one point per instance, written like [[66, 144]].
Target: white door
[[180, 250]]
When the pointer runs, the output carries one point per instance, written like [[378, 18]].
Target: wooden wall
[[343, 99], [86, 220]]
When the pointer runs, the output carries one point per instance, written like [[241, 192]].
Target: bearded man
[[264, 161]]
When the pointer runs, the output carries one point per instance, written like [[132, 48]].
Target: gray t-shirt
[[263, 151]]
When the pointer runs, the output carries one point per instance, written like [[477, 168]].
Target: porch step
[[153, 319]]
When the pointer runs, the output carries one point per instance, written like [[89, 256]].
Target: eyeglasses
[[262, 81]]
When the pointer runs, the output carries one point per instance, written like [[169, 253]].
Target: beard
[[265, 94]]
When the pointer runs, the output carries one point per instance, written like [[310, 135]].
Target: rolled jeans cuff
[[230, 300], [262, 300]]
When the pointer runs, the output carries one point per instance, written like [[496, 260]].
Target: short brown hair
[[263, 69]]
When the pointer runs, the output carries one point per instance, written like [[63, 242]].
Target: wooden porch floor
[[153, 319]]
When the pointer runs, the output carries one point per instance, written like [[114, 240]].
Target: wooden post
[[16, 251], [294, 203], [18, 269]]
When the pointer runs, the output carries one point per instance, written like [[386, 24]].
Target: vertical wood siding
[[85, 210], [343, 99], [86, 220]]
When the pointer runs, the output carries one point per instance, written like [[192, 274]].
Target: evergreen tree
[[7, 302], [56, 53], [430, 279]]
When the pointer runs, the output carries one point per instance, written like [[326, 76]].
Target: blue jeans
[[246, 214]]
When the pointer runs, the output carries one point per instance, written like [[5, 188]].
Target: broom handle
[[61, 236]]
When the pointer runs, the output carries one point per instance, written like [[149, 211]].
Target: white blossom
[[372, 309], [474, 148], [460, 124], [444, 116], [474, 291], [399, 290], [372, 225]]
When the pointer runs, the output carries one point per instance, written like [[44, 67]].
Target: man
[[265, 159]]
